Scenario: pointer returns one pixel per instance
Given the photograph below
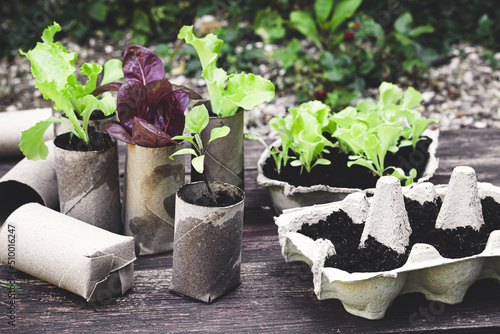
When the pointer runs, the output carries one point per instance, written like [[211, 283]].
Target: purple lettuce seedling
[[150, 108]]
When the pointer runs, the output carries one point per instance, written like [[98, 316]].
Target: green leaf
[[336, 67], [372, 28], [322, 9], [89, 104], [364, 163], [217, 133], [403, 23], [141, 21], [198, 163], [366, 66], [354, 137], [49, 32], [245, 91], [197, 119], [403, 39], [413, 173], [418, 127], [32, 144], [388, 135], [240, 90], [51, 62], [256, 137], [112, 71], [183, 151], [389, 94], [208, 49], [304, 23], [421, 30], [91, 70], [268, 24], [60, 97], [411, 98], [343, 10], [107, 104], [188, 138], [98, 11], [484, 26], [322, 161], [345, 118], [366, 106], [398, 173]]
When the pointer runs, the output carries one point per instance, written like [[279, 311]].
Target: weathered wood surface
[[275, 296]]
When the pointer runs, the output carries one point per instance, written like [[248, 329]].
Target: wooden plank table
[[275, 296]]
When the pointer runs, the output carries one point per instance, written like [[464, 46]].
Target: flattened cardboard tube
[[388, 213], [29, 181], [66, 252], [461, 204], [12, 123]]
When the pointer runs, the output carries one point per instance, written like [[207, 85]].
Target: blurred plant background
[[330, 50]]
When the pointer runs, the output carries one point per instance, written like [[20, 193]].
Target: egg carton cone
[[369, 294]]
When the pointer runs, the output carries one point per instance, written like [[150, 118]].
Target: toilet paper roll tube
[[66, 252]]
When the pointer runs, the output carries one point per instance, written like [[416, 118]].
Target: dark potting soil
[[337, 174], [223, 199], [98, 141], [96, 115], [374, 256]]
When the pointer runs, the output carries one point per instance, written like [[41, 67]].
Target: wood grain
[[275, 296]]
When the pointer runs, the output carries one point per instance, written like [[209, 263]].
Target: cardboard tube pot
[[97, 120], [151, 181], [86, 260], [207, 243], [12, 123], [224, 157], [88, 183], [29, 181]]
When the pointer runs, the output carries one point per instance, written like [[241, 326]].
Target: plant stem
[[210, 192]]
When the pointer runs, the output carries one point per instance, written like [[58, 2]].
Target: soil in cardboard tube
[[223, 198], [98, 141], [374, 256], [337, 174]]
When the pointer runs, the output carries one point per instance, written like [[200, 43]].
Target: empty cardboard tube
[[88, 184], [13, 123], [29, 181], [66, 252], [151, 181]]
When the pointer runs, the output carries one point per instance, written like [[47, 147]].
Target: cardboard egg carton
[[369, 294], [286, 196]]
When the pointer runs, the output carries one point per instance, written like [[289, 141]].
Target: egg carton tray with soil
[[368, 249]]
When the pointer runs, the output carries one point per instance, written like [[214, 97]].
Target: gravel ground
[[464, 93]]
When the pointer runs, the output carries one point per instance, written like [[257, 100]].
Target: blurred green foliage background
[[325, 49]]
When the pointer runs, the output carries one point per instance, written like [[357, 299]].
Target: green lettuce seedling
[[54, 68], [302, 132], [227, 93], [371, 130], [196, 121]]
